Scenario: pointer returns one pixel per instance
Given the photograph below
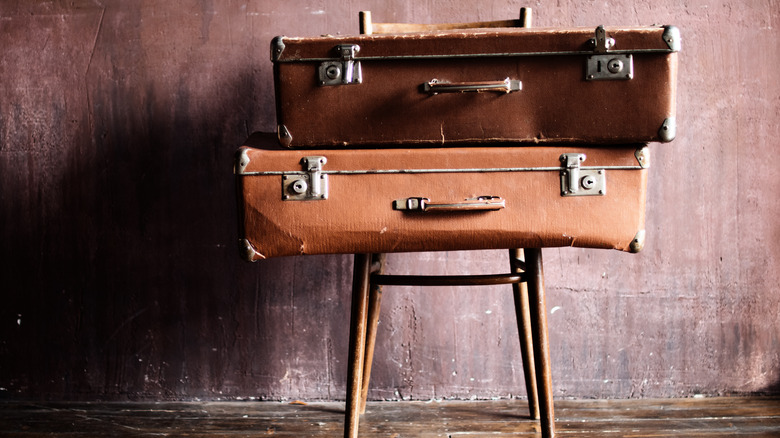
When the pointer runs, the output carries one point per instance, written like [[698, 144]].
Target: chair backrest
[[368, 27]]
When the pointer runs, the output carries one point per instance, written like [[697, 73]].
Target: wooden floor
[[713, 417]]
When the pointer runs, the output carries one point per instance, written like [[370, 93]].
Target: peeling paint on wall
[[121, 277]]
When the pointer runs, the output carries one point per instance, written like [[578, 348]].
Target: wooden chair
[[526, 277], [368, 27]]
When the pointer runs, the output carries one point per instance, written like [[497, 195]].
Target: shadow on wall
[[773, 389], [120, 270]]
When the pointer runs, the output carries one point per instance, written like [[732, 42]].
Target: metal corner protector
[[277, 47], [672, 37], [643, 157], [248, 251], [668, 130], [242, 161], [638, 242], [284, 136]]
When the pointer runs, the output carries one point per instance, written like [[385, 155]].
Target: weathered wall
[[119, 271]]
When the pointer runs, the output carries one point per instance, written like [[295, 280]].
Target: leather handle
[[434, 86], [482, 203]]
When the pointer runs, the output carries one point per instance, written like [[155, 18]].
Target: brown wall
[[119, 270]]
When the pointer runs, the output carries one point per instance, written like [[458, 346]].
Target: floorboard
[[699, 417]]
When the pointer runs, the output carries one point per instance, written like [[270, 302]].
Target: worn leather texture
[[556, 104], [358, 214]]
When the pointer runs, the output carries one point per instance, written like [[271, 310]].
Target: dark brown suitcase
[[612, 86], [295, 202]]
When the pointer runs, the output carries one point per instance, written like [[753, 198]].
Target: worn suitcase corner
[[668, 130], [248, 251], [242, 160], [672, 37], [638, 242], [283, 135], [371, 200], [491, 86], [642, 155], [277, 47]]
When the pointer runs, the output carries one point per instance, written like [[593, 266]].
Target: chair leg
[[374, 304], [533, 259], [523, 312], [357, 342]]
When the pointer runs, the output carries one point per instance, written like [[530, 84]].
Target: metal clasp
[[344, 71], [602, 66], [601, 43], [576, 181], [309, 185]]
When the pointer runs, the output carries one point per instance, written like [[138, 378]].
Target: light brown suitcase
[[294, 202], [614, 85]]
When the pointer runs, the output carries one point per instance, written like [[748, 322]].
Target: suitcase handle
[[506, 86], [482, 203]]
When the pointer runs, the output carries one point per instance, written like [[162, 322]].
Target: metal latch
[[576, 181], [309, 185], [604, 66], [344, 71]]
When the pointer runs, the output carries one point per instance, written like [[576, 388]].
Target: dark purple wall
[[119, 269]]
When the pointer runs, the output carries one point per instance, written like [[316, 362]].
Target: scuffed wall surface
[[120, 276]]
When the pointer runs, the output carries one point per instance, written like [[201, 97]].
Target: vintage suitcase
[[614, 85], [295, 202]]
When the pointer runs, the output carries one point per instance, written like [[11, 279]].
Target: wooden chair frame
[[526, 278]]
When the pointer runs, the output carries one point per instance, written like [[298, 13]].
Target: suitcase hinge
[[603, 66], [576, 181], [309, 185], [343, 71]]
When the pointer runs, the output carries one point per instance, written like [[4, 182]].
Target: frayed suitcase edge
[[250, 254]]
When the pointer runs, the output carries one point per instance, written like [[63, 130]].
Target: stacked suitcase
[[455, 140], [458, 140]]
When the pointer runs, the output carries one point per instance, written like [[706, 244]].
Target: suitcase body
[[520, 86], [294, 202]]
